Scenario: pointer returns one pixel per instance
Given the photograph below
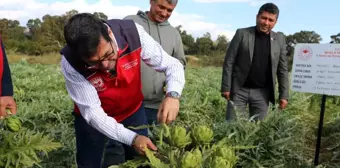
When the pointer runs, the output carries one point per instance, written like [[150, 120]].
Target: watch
[[134, 140], [173, 94]]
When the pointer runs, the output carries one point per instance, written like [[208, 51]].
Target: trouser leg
[[116, 152], [89, 144], [258, 103], [151, 115], [237, 104]]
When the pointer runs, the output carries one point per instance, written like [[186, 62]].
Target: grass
[[44, 105], [48, 59]]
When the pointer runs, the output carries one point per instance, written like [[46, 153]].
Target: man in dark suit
[[255, 57]]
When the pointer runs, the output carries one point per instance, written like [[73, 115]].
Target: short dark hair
[[82, 34], [270, 8], [173, 2]]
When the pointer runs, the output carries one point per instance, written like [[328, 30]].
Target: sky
[[196, 16]]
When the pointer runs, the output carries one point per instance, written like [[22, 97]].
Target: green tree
[[300, 37], [6, 26], [336, 38], [304, 37], [100, 15], [204, 44], [70, 13], [187, 40], [33, 25], [221, 43]]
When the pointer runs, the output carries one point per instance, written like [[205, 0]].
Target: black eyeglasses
[[95, 64]]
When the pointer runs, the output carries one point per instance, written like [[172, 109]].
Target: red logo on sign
[[305, 53]]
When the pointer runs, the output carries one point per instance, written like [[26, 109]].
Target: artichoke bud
[[198, 155], [224, 152], [202, 134], [13, 124], [218, 162], [179, 137], [191, 159]]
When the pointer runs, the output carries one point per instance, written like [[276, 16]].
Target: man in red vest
[[6, 87], [101, 67]]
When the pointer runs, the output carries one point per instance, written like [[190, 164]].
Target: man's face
[[106, 56], [266, 21], [161, 10]]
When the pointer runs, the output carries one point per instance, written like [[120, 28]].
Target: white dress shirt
[[86, 98]]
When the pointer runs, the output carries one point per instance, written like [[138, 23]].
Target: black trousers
[[95, 150]]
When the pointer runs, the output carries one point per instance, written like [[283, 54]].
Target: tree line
[[44, 36]]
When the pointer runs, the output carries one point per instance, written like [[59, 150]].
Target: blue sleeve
[[7, 86]]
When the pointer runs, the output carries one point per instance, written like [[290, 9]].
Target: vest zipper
[[116, 82]]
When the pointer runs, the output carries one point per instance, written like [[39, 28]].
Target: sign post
[[316, 69], [318, 142]]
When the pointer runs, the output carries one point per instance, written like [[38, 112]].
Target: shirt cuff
[[127, 136], [174, 86]]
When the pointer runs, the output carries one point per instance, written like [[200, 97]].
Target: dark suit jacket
[[6, 87], [238, 59]]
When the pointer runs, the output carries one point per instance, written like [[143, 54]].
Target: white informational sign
[[316, 69]]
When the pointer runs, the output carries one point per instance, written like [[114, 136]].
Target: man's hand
[[226, 95], [141, 143], [168, 110], [283, 103], [7, 102]]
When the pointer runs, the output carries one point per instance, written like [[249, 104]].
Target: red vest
[[1, 66], [120, 96]]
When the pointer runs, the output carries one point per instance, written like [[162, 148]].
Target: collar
[[114, 38], [122, 45], [257, 32]]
